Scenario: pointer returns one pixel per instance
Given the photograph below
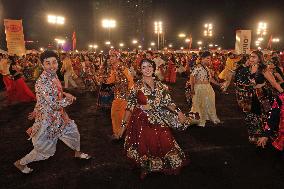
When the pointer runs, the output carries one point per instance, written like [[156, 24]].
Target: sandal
[[83, 156], [25, 169]]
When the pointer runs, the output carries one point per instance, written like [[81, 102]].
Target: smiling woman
[[150, 114]]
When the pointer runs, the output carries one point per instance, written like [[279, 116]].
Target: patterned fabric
[[154, 104], [188, 94], [50, 115], [122, 80], [261, 103], [201, 73], [105, 96], [149, 142], [244, 88], [275, 123]]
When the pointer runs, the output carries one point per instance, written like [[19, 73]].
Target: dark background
[[135, 19]]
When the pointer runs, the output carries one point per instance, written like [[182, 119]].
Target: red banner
[[15, 37]]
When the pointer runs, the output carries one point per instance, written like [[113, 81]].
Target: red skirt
[[9, 87], [21, 92], [152, 146]]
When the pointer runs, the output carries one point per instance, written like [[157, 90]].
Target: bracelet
[[177, 110], [123, 124]]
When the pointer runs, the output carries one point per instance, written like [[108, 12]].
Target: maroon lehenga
[[149, 142]]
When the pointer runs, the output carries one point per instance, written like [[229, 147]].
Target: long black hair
[[261, 64]]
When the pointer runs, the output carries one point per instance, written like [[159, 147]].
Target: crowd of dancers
[[135, 86]]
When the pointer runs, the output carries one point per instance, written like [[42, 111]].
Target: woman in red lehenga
[[150, 115], [20, 90]]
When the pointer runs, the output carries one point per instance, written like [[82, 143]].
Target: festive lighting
[[108, 23], [262, 28], [134, 41], [187, 40], [208, 32], [60, 41], [199, 42], [107, 42], [60, 20], [275, 40], [181, 35], [158, 27], [121, 44], [153, 44]]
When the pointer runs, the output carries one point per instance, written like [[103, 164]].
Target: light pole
[[56, 20], [158, 29], [261, 32], [208, 31], [188, 40], [108, 24], [275, 40]]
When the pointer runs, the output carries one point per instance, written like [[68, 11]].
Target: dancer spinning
[[51, 121], [150, 113]]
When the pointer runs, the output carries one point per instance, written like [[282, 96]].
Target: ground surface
[[220, 156]]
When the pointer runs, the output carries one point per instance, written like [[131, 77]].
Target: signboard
[[15, 37], [243, 41]]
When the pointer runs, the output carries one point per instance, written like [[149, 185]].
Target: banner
[[243, 41], [15, 37]]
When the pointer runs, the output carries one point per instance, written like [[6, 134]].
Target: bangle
[[123, 124], [177, 110]]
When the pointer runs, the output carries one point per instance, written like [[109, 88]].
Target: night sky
[[178, 16]]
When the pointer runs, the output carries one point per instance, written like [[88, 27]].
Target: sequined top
[[154, 103], [201, 73], [49, 109], [123, 82]]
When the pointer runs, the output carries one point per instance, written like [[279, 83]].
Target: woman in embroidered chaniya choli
[[51, 121], [150, 115]]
